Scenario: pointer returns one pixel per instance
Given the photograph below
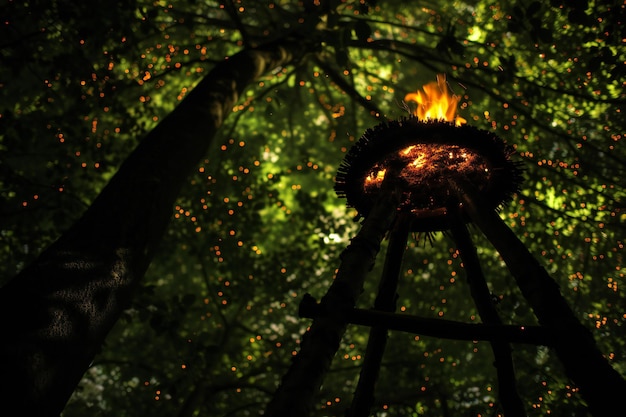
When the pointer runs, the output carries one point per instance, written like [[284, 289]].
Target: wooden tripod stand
[[600, 385]]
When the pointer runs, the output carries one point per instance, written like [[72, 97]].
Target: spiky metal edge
[[391, 136]]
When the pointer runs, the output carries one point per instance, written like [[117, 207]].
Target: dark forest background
[[239, 113]]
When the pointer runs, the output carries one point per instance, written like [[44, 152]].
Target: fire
[[435, 102], [424, 169], [376, 178]]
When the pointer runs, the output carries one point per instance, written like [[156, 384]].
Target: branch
[[349, 89]]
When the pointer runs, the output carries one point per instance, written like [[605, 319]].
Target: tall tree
[[70, 297]]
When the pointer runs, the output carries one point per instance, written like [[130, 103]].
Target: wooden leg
[[296, 393], [507, 390], [385, 301]]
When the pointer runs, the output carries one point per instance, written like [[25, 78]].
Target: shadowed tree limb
[[348, 88]]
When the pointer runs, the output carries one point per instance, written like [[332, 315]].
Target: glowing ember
[[424, 157], [424, 160], [425, 170], [375, 178], [434, 102]]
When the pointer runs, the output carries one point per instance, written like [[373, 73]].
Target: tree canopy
[[214, 324]]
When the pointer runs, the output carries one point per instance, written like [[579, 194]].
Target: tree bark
[[56, 313]]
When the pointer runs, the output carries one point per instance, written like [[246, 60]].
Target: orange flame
[[376, 178], [435, 102]]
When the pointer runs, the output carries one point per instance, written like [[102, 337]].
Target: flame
[[377, 178], [435, 102]]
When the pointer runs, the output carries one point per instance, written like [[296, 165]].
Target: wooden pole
[[600, 385], [295, 395], [441, 328], [385, 301], [507, 390]]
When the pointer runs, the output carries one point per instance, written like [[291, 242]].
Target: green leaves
[[258, 225], [530, 21]]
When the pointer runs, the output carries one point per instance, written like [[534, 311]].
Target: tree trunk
[[55, 314]]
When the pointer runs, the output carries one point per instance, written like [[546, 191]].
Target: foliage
[[257, 226]]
